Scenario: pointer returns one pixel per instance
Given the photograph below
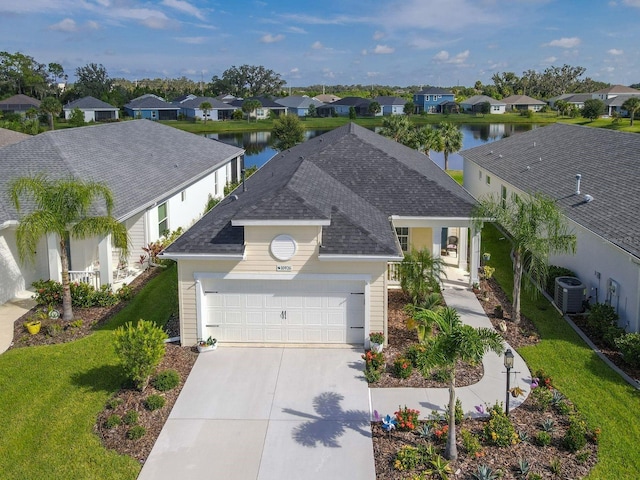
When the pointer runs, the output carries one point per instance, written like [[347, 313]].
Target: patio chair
[[452, 244]]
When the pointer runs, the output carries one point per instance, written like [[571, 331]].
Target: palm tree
[[450, 141], [52, 107], [537, 229], [206, 108], [426, 139], [420, 274], [396, 127], [632, 105], [249, 106], [457, 342], [62, 208]]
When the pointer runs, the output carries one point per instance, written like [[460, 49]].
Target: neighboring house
[[263, 112], [615, 104], [432, 99], [523, 102], [94, 110], [19, 104], [602, 207], [227, 98], [151, 107], [391, 105], [298, 105], [305, 253], [343, 106], [474, 104], [614, 91], [327, 98], [160, 178], [9, 137], [190, 108]]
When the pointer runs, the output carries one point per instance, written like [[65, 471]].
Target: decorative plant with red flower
[[402, 367], [407, 418]]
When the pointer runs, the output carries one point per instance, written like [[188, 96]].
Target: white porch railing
[[89, 277], [393, 274]]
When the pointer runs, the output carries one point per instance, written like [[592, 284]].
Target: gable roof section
[[141, 161], [295, 101], [266, 102], [434, 91], [522, 100], [19, 102], [216, 104], [387, 100], [607, 160], [352, 101], [350, 178], [9, 137], [618, 89], [150, 102], [477, 99], [89, 103]]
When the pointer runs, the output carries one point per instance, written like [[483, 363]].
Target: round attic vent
[[283, 247]]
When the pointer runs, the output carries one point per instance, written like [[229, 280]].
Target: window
[[403, 238], [503, 196], [479, 174], [488, 180], [183, 195], [153, 114], [163, 221], [216, 189]]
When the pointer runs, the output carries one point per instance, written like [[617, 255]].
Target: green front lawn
[[606, 400], [50, 397]]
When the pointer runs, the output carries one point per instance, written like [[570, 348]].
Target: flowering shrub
[[542, 379], [374, 364], [402, 367], [409, 457], [471, 443], [407, 418], [376, 337], [81, 294], [499, 430], [48, 292], [575, 437], [441, 433]]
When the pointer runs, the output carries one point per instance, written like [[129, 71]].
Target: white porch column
[[436, 247], [53, 258], [106, 261], [475, 256], [463, 245]]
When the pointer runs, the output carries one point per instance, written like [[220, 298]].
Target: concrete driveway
[[268, 413]]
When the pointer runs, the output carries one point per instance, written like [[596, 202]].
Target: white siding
[[16, 276]]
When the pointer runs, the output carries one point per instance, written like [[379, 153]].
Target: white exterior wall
[[594, 255], [259, 261], [16, 276]]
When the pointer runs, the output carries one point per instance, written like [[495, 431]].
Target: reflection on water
[[259, 145]]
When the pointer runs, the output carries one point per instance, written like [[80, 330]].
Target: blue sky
[[403, 42]]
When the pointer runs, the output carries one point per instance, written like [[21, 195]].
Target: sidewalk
[[9, 313], [489, 390]]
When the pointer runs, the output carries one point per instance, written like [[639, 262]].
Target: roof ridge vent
[[588, 198]]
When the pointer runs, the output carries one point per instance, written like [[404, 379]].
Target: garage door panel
[[307, 311]]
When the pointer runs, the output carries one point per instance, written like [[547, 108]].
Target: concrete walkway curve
[[489, 390], [9, 313]]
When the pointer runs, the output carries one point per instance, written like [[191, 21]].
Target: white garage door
[[284, 311]]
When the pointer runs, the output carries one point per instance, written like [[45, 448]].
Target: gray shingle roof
[[352, 101], [296, 101], [140, 160], [197, 101], [434, 90], [388, 100], [19, 102], [477, 99], [606, 159], [89, 103], [150, 102], [9, 137], [350, 176]]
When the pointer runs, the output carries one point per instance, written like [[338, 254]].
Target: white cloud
[[297, 30], [192, 40], [550, 59], [441, 56], [564, 42], [317, 45], [632, 3], [423, 43], [383, 49], [418, 14], [364, 51], [93, 25], [378, 35], [66, 25], [326, 73], [268, 38], [615, 51], [147, 17], [373, 74], [460, 58], [294, 70], [184, 7]]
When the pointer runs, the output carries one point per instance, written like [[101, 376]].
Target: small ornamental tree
[[206, 108], [593, 108], [288, 132], [140, 348], [374, 108], [632, 105], [76, 119]]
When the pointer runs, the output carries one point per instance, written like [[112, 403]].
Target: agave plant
[[484, 473]]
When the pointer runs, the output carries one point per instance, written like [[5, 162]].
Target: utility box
[[569, 294]]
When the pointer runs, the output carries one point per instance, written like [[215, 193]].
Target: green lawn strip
[[606, 400], [456, 175], [50, 397]]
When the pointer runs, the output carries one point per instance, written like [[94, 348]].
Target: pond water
[[259, 149]]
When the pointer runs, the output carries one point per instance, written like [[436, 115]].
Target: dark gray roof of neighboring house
[[9, 137], [477, 99], [434, 91], [182, 98], [296, 101], [89, 103], [618, 100], [387, 100], [140, 160], [577, 98], [266, 102], [618, 89], [351, 177], [150, 103], [19, 101], [215, 103], [522, 100], [606, 159], [352, 101]]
